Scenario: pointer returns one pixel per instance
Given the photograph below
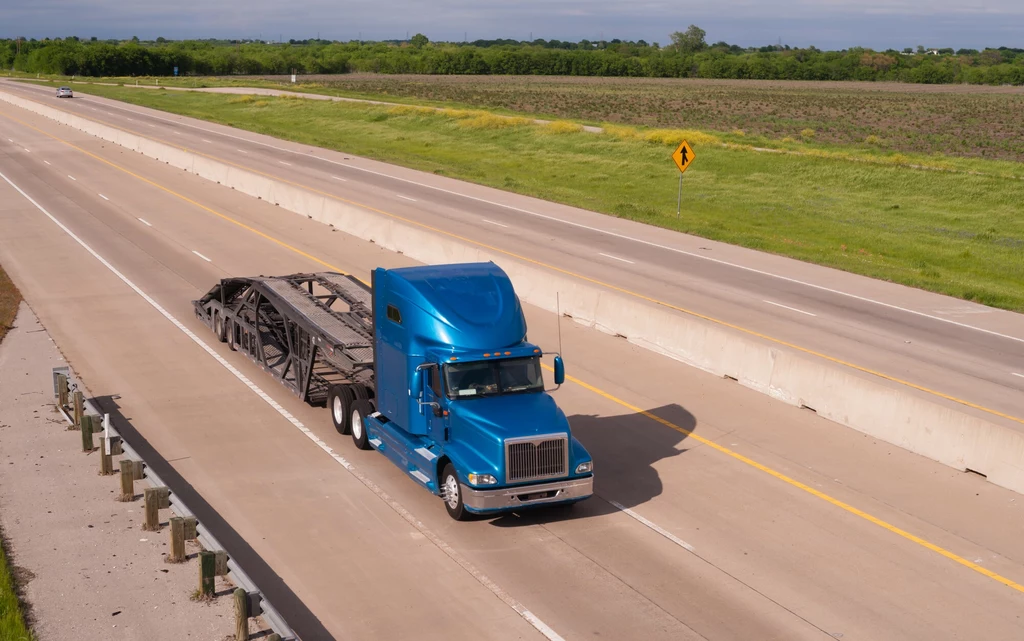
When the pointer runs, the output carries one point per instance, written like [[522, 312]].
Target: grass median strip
[[948, 231]]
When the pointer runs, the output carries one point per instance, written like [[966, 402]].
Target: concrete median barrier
[[922, 423]]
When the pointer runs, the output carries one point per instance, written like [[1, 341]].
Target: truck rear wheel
[[451, 494], [339, 402], [361, 408]]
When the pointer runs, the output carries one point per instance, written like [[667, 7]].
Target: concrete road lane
[[684, 541], [954, 347]]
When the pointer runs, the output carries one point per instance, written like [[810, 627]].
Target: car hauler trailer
[[429, 366]]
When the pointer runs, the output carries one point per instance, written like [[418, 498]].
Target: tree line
[[686, 56]]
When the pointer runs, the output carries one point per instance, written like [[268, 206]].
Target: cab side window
[[394, 314], [434, 380]]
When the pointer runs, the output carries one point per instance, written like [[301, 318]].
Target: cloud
[[824, 23]]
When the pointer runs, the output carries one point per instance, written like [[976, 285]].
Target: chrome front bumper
[[526, 495]]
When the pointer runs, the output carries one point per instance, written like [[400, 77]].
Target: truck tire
[[218, 327], [361, 408], [451, 493], [339, 402], [360, 391], [231, 332]]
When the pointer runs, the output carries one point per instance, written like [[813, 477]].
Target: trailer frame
[[311, 331]]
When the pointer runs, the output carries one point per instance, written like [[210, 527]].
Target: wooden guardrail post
[[62, 390], [241, 615], [157, 498], [191, 528], [207, 568], [87, 443], [106, 460], [152, 523], [127, 481], [79, 410], [138, 470], [177, 554]]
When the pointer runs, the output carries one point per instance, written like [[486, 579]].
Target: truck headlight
[[586, 466], [482, 479]]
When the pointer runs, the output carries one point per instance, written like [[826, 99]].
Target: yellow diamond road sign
[[683, 156]]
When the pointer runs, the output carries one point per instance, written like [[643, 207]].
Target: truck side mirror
[[559, 370]]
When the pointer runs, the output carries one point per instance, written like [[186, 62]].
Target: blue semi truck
[[430, 366]]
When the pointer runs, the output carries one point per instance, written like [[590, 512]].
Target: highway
[[956, 349], [720, 513]]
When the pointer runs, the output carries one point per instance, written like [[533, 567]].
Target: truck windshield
[[490, 378]]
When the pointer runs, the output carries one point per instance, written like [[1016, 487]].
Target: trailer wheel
[[339, 401], [451, 494], [232, 337], [218, 327], [360, 410]]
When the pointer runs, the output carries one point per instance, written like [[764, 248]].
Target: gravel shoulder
[[87, 569]]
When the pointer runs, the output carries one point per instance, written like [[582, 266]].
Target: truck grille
[[536, 457]]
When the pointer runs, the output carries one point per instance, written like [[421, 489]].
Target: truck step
[[420, 476], [425, 453], [376, 443]]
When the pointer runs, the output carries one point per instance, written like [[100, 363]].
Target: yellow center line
[[184, 198], [700, 439], [797, 484], [622, 290]]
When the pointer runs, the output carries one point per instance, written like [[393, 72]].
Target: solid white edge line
[[654, 526], [104, 197], [792, 309], [594, 229], [145, 222], [480, 577], [494, 223], [616, 258], [201, 256]]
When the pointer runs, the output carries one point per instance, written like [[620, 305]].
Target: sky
[[826, 24]]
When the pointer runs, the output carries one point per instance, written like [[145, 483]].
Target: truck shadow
[[625, 449]]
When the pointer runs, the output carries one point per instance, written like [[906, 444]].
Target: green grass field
[[945, 229]]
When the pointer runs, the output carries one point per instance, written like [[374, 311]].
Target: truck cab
[[460, 402]]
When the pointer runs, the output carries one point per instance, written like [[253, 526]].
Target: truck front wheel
[[451, 493]]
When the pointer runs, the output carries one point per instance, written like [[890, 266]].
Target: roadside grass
[[945, 230], [12, 621], [9, 300]]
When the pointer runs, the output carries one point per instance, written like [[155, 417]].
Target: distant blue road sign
[[175, 71]]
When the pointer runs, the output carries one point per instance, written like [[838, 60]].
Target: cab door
[[433, 392]]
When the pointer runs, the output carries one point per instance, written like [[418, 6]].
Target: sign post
[[683, 156]]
